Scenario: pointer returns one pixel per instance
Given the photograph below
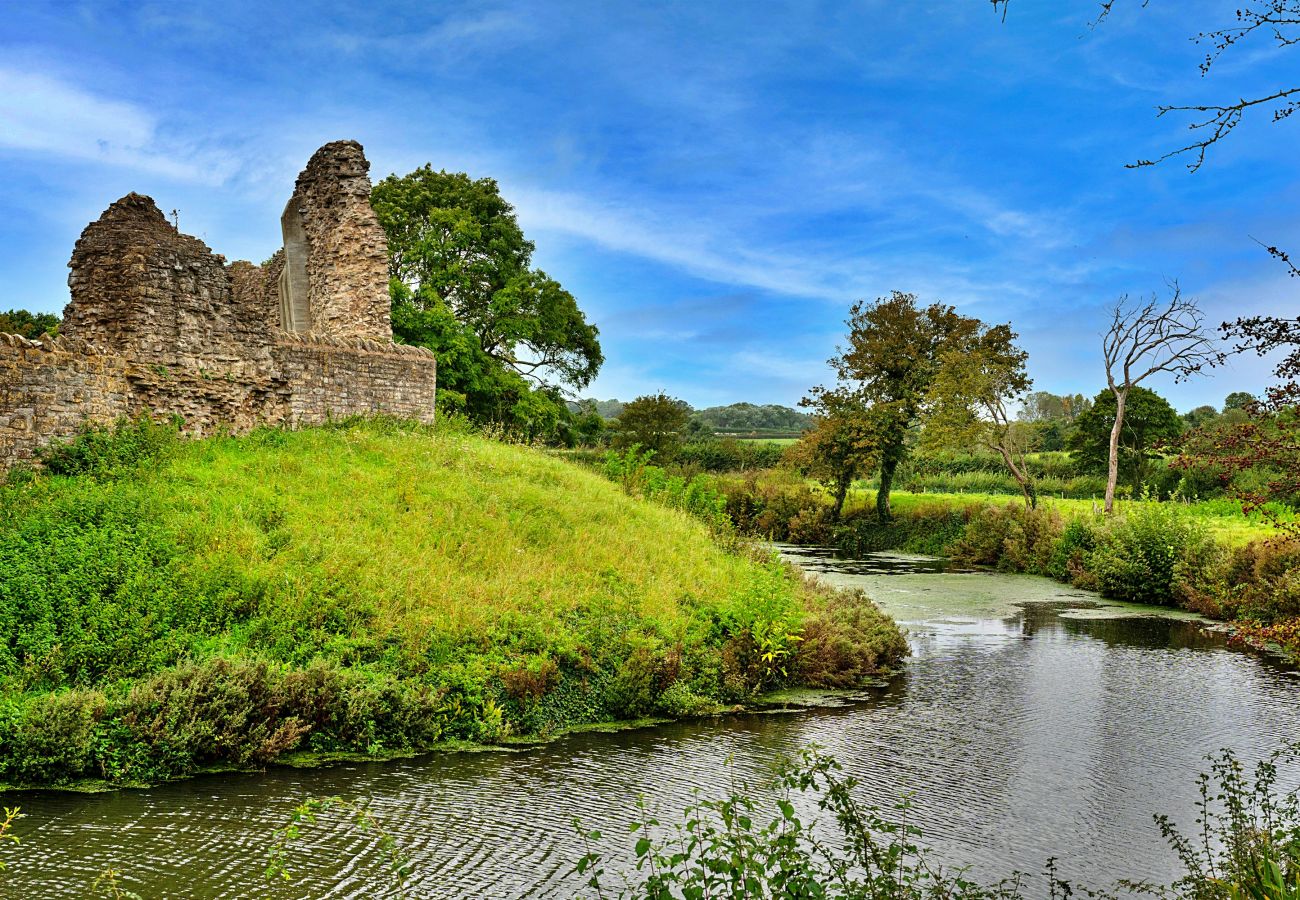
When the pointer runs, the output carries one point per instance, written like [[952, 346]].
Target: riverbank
[[1149, 552], [373, 588], [1033, 720]]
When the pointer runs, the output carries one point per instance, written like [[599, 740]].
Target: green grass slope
[[371, 588]]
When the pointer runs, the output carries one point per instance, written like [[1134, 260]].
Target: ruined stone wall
[[50, 388], [346, 250], [160, 325], [340, 378]]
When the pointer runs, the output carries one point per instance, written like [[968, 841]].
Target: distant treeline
[[27, 324], [739, 418]]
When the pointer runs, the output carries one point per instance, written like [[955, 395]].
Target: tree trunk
[[887, 466], [1022, 477], [1112, 463], [841, 491]]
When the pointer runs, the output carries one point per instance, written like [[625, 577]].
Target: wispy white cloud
[[40, 113], [733, 253], [445, 42]]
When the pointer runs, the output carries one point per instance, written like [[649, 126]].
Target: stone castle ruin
[[159, 325]]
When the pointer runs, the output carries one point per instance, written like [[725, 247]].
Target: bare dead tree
[[1145, 339]]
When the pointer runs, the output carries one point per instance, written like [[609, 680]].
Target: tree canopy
[[976, 386], [27, 324], [1148, 420], [509, 338], [655, 422], [886, 372], [753, 417], [1044, 406]]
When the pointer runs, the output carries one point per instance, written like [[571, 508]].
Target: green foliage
[[655, 421], [1136, 557], [976, 385], [1238, 400], [92, 590], [29, 325], [1247, 840], [1043, 407], [749, 417], [1247, 845], [1009, 538], [729, 455], [840, 446], [885, 374], [107, 452], [11, 815], [310, 811], [737, 847], [1149, 420], [369, 587], [507, 336]]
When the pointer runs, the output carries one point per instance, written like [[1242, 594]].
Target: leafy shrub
[[766, 505], [92, 590], [1136, 557], [729, 455], [1070, 553], [925, 528], [225, 711], [1263, 580], [845, 639], [108, 452], [1011, 538]]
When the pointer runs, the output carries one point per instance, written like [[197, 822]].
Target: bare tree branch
[[1145, 339], [1212, 122]]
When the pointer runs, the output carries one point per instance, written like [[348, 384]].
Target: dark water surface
[[1030, 722]]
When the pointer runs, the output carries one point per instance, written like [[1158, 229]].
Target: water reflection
[[1021, 730]]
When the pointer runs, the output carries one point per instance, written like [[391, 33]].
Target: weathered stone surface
[[160, 325], [333, 241]]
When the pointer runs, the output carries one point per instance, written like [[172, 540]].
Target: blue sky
[[715, 182]]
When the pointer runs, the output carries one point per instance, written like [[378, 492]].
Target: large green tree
[[509, 338], [1148, 420], [886, 372], [975, 389], [655, 422]]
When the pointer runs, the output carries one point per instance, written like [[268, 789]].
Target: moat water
[[1032, 721]]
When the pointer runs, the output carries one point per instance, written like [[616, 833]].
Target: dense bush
[[104, 451], [236, 711], [1137, 556], [1010, 538], [91, 589], [729, 455]]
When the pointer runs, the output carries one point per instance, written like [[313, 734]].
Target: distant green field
[[1223, 516], [774, 441]]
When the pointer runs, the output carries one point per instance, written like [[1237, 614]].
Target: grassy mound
[[377, 588]]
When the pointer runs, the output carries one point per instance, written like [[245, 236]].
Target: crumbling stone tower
[[334, 279], [160, 325]]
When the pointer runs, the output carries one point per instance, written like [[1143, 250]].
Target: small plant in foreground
[[724, 849], [1246, 847], [309, 811], [11, 815]]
